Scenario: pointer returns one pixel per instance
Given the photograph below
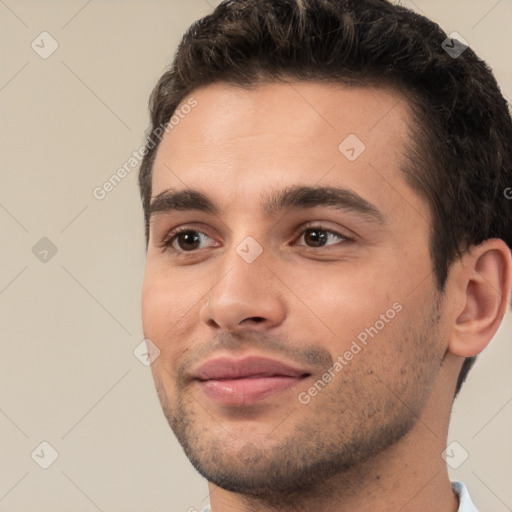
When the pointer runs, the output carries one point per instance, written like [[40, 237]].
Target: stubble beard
[[352, 420]]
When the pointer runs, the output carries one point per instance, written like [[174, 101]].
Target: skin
[[372, 438]]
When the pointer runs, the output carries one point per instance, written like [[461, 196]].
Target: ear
[[481, 284]]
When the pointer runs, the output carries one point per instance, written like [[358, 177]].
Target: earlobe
[[484, 282]]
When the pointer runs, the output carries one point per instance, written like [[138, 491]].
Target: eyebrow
[[290, 198]]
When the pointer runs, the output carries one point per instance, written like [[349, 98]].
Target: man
[[328, 249]]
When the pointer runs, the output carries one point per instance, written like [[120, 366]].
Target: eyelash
[[172, 236]]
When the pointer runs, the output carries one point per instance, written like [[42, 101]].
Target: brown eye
[[184, 240], [316, 237], [188, 240], [319, 237]]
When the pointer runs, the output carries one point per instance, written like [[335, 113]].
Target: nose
[[244, 296]]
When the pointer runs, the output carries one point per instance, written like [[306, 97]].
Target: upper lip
[[226, 367]]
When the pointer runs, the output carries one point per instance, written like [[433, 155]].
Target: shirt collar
[[465, 503]]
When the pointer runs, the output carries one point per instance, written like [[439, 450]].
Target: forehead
[[244, 142], [296, 108]]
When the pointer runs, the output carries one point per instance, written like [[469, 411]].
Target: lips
[[242, 381]]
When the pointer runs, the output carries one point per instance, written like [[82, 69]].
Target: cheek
[[170, 303], [163, 304], [348, 299], [153, 303]]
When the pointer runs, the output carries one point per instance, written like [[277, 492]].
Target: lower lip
[[246, 391]]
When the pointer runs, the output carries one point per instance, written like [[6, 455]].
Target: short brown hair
[[460, 155]]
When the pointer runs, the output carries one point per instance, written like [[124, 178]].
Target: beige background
[[69, 326]]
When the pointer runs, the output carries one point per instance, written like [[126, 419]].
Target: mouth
[[243, 381]]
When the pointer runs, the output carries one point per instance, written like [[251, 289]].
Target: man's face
[[297, 338]]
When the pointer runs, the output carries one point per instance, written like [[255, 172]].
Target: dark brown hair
[[460, 154]]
